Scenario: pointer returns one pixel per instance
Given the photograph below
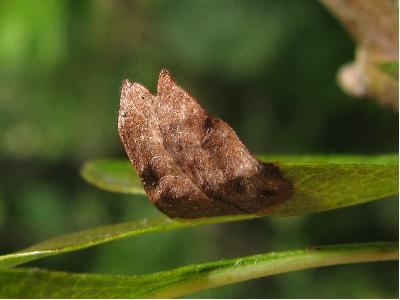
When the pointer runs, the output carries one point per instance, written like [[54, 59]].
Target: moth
[[191, 163]]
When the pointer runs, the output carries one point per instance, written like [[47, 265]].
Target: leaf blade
[[331, 186], [34, 283], [114, 177], [312, 195], [326, 182], [103, 234]]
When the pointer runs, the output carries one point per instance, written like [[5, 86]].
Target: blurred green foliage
[[267, 67]]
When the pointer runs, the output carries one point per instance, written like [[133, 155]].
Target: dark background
[[266, 67]]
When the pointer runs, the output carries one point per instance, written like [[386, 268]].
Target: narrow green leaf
[[325, 182], [320, 182], [322, 187], [391, 68], [35, 283], [113, 176], [119, 175], [319, 186], [99, 235]]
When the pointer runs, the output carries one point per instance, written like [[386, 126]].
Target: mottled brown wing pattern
[[192, 164]]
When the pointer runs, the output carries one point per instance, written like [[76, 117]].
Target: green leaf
[[99, 235], [391, 68], [319, 186], [320, 182], [35, 283], [116, 176]]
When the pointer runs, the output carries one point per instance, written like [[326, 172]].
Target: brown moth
[[192, 164]]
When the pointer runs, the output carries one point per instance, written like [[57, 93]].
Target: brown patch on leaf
[[192, 164]]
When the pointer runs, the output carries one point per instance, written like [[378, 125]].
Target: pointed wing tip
[[164, 73], [125, 85], [165, 79]]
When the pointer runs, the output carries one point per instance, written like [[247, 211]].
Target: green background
[[268, 68]]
